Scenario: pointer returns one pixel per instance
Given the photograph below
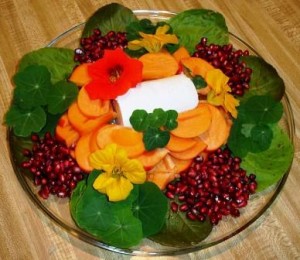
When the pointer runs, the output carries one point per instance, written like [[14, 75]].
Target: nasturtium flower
[[154, 42], [219, 95], [113, 75], [119, 172]]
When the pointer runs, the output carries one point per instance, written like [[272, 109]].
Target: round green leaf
[[25, 122], [157, 118], [264, 79], [171, 122], [61, 97], [32, 86], [271, 164], [139, 120], [155, 138], [150, 207], [261, 137], [124, 230], [262, 109], [180, 232]]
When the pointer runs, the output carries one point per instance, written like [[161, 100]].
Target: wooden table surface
[[272, 27]]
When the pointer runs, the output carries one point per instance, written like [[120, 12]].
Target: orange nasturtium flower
[[219, 95], [119, 172], [154, 42], [113, 75]]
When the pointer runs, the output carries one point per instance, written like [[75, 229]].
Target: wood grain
[[272, 27]]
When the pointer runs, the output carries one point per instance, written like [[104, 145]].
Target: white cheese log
[[177, 93]]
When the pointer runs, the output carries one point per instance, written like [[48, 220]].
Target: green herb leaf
[[192, 25], [157, 118], [32, 86], [155, 138], [139, 120], [271, 164], [61, 97], [264, 79], [262, 109], [171, 122], [111, 17], [150, 207], [180, 232], [199, 82], [59, 61], [25, 122]]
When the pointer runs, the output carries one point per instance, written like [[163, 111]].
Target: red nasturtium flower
[[113, 75]]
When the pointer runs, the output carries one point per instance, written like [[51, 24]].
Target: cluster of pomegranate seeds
[[212, 188], [52, 166], [227, 59], [92, 48]]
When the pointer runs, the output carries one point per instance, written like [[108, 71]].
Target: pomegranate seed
[[213, 188], [48, 160]]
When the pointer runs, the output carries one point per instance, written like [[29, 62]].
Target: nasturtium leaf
[[151, 208], [25, 122], [264, 79], [157, 118], [181, 232], [92, 212], [262, 109], [171, 122], [246, 129], [238, 143], [139, 120], [51, 123], [271, 164], [111, 17], [61, 96], [191, 25], [261, 137], [124, 229], [59, 61], [32, 86], [199, 82], [155, 138], [76, 196]]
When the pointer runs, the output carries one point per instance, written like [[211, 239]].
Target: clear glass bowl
[[58, 209]]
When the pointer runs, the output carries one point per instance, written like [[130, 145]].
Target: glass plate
[[58, 209]]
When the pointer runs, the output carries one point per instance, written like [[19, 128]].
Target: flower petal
[[134, 171], [217, 80], [230, 104], [119, 190], [103, 181], [101, 159]]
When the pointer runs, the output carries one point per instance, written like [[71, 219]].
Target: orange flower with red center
[[113, 75]]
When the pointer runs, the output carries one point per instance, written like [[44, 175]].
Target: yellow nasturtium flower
[[219, 95], [119, 172], [154, 42]]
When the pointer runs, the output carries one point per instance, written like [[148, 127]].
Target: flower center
[[115, 73], [117, 172]]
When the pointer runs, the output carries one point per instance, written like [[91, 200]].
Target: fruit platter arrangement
[[157, 134]]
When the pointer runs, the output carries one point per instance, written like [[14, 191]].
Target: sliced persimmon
[[83, 151], [190, 126], [124, 137], [218, 132], [163, 173], [179, 144], [65, 132], [92, 107], [191, 152], [84, 124], [181, 165], [151, 158], [80, 75]]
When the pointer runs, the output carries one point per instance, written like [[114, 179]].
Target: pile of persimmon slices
[[88, 125]]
